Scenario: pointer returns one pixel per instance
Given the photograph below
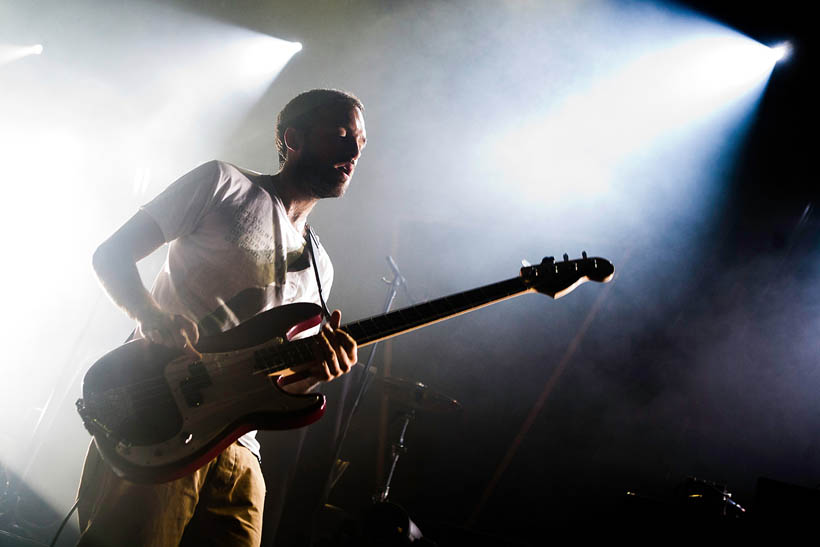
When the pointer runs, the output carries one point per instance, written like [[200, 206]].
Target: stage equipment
[[411, 397], [704, 498], [387, 523], [417, 396], [339, 466]]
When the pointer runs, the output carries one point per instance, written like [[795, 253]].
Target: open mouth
[[346, 168]]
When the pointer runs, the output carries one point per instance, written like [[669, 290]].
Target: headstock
[[559, 278]]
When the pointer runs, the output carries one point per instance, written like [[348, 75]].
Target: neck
[[297, 202]]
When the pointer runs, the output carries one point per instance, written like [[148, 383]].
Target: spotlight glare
[[782, 51], [655, 96], [264, 56], [10, 53]]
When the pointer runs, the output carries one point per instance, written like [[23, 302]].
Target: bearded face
[[329, 152]]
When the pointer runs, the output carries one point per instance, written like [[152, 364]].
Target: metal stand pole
[[398, 448], [393, 289]]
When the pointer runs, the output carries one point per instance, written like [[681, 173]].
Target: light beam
[[10, 53], [576, 149]]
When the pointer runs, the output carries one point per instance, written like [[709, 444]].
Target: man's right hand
[[115, 262], [172, 330]]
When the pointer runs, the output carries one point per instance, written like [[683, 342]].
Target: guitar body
[[158, 414]]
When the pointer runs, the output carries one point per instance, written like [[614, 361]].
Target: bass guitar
[[157, 414]]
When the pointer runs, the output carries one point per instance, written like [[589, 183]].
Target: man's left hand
[[336, 351]]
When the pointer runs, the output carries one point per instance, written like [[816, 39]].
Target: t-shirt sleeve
[[178, 209]]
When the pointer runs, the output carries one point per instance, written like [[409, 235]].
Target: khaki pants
[[219, 504]]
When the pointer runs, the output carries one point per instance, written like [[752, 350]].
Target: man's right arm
[[115, 262]]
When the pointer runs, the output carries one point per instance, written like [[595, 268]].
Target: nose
[[355, 150], [357, 153]]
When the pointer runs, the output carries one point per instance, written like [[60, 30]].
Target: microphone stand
[[397, 282]]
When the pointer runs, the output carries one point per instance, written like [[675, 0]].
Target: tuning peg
[[525, 263], [584, 255], [566, 257], [548, 260]]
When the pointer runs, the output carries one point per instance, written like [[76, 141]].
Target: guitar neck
[[380, 327], [551, 278]]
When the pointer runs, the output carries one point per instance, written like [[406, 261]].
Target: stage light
[[686, 83], [264, 56], [9, 53], [781, 52]]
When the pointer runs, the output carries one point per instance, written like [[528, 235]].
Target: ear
[[294, 140]]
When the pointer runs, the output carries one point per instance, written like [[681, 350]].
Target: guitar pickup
[[191, 386]]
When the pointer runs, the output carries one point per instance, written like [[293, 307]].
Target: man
[[239, 244]]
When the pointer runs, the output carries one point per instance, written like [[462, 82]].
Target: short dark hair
[[303, 111]]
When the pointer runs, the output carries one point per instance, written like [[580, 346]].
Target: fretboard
[[379, 327], [555, 279]]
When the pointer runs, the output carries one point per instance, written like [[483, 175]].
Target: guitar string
[[374, 327], [499, 290], [298, 345], [221, 404], [157, 387], [273, 358], [276, 358]]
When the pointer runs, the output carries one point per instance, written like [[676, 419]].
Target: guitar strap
[[310, 239]]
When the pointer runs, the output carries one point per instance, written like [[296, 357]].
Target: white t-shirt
[[233, 252]]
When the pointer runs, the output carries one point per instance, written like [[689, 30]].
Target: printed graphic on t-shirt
[[248, 233]]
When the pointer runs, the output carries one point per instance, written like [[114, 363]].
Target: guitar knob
[[566, 257]]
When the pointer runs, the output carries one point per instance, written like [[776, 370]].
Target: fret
[[425, 312], [392, 323], [355, 330], [266, 361], [441, 306], [462, 301], [260, 364], [305, 351], [415, 312], [402, 314]]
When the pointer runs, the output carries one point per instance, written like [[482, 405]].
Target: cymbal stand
[[398, 282], [397, 449]]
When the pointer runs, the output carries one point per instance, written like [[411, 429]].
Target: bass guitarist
[[239, 244]]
